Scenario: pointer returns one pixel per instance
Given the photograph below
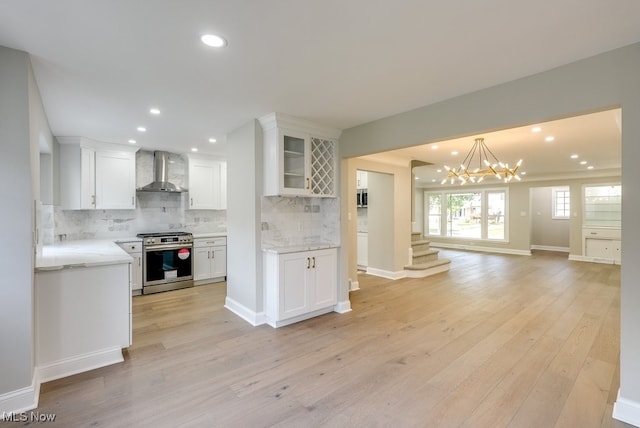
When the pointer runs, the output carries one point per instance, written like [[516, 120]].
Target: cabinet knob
[[191, 201], [314, 262], [308, 263], [308, 183]]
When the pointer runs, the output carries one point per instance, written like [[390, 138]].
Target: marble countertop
[[84, 253], [299, 248]]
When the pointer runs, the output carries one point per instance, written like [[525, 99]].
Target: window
[[478, 214], [561, 203]]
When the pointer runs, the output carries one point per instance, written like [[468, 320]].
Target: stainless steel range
[[167, 261]]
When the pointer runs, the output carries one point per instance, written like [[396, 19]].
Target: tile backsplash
[[288, 221]]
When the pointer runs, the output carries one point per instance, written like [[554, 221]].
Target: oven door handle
[[171, 246]]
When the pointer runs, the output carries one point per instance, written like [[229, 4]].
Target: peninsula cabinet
[[299, 158], [96, 175], [299, 285]]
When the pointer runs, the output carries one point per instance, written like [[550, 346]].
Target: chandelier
[[487, 164]]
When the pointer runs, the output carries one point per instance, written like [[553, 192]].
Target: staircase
[[425, 261]]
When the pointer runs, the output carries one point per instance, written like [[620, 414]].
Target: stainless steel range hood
[[160, 181]]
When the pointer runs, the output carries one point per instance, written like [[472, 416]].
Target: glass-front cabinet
[[602, 223], [295, 168]]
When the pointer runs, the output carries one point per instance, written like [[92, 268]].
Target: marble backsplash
[[299, 221]]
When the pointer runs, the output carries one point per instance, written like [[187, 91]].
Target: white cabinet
[[361, 179], [96, 175], [298, 161], [207, 183], [209, 259], [134, 249], [602, 245], [299, 285]]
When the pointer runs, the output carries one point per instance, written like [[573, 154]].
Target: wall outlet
[[307, 208], [315, 208]]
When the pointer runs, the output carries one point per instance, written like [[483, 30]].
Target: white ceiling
[[101, 64]]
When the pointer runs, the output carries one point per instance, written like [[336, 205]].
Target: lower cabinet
[[134, 249], [209, 259], [602, 245], [299, 285]]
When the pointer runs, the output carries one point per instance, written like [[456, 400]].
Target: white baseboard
[[78, 364], [480, 248], [577, 258], [626, 411], [20, 400], [342, 307], [253, 318], [386, 273], [354, 285], [550, 248]]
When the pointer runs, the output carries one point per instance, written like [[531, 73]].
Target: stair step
[[416, 236], [420, 242], [428, 252], [427, 269], [427, 265]]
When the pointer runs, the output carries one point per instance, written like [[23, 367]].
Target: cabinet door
[[616, 250], [223, 186], [115, 180], [294, 150], [600, 248], [323, 269], [136, 271], [201, 263], [204, 184], [218, 262], [87, 179], [294, 290], [323, 167]]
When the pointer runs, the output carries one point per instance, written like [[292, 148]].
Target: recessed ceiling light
[[433, 180], [550, 138], [583, 162], [213, 40], [536, 129], [141, 129], [194, 149], [454, 153], [590, 167], [438, 170], [574, 156], [434, 147], [212, 140], [154, 111], [523, 173], [417, 178], [132, 141]]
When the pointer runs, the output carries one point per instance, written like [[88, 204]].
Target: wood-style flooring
[[498, 341]]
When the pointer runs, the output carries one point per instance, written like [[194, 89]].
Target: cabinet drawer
[[209, 242], [601, 233]]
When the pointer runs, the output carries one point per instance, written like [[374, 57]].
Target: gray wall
[[244, 253], [16, 256], [545, 230], [597, 83]]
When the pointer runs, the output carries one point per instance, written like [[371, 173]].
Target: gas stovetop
[[157, 234]]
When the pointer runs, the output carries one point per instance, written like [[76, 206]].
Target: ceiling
[[595, 141], [102, 64]]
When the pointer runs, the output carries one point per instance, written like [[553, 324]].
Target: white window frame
[[554, 200], [484, 221]]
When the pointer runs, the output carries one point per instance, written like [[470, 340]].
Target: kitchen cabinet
[[82, 318], [299, 159], [134, 249], [299, 285], [207, 183], [209, 259], [602, 245], [96, 175], [361, 179]]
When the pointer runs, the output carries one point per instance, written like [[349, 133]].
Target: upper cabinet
[[207, 183], [300, 158], [96, 175]]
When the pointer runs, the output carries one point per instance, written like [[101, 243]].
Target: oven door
[[167, 263]]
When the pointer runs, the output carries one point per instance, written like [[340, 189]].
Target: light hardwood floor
[[498, 341]]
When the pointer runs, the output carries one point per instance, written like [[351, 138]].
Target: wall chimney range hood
[[160, 181]]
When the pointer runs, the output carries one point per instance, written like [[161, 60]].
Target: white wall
[[545, 230], [381, 221], [594, 84], [16, 256]]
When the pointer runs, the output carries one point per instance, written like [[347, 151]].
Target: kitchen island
[[83, 307]]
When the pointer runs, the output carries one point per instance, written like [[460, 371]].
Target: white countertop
[[209, 235], [299, 248], [84, 253]]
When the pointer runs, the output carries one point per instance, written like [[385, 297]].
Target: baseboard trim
[[79, 364], [550, 248], [479, 248], [354, 285], [342, 307], [386, 273], [20, 400], [626, 411], [577, 258], [253, 318]]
